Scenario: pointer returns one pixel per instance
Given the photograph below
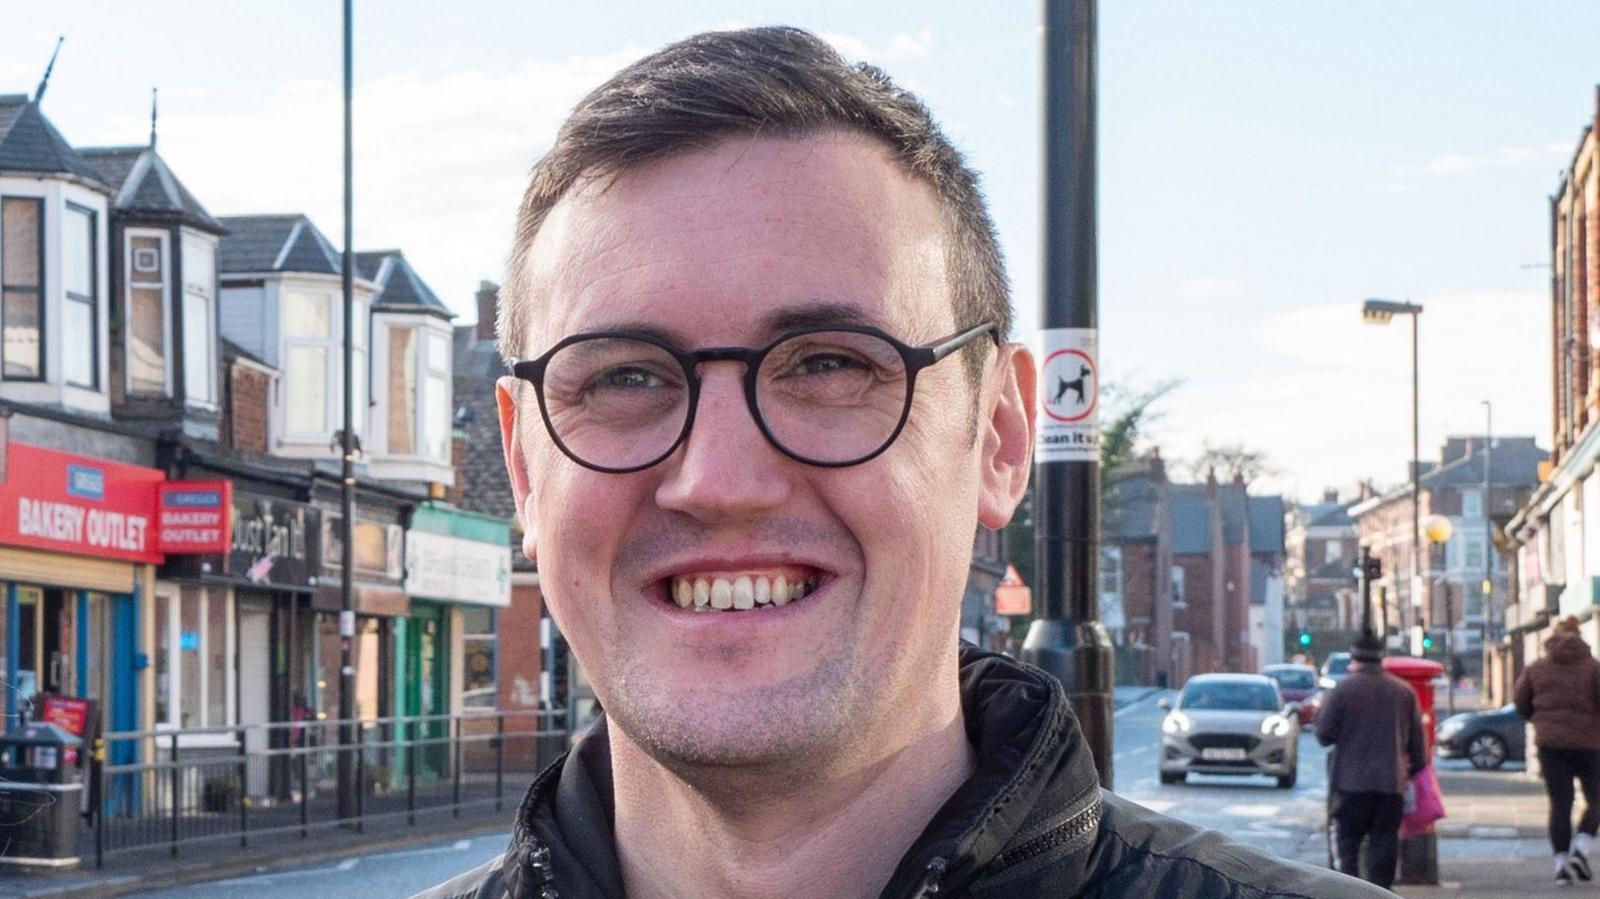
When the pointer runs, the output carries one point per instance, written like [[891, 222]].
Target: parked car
[[1296, 684], [1230, 724], [1334, 669], [1487, 739]]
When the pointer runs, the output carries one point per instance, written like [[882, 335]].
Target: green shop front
[[457, 576]]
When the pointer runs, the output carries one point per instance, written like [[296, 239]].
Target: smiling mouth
[[742, 592]]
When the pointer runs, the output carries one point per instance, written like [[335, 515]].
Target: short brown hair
[[760, 81]]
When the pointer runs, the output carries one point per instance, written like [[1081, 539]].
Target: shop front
[[377, 601], [458, 577], [233, 628], [78, 551]]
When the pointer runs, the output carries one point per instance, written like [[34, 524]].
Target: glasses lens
[[615, 402], [832, 396]]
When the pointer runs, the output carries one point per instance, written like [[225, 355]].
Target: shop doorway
[[255, 687], [423, 642]]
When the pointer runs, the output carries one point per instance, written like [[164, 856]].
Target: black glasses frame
[[915, 359]]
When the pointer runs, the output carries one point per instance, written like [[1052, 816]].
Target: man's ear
[[516, 461], [1007, 434]]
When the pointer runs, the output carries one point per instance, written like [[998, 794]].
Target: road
[[1252, 810], [383, 875], [1286, 823]]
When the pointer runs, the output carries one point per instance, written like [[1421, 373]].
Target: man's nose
[[725, 468]]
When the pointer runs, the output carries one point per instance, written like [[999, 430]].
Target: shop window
[[479, 668], [194, 639], [21, 288]]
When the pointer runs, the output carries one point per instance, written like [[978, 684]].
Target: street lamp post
[[1488, 545], [1439, 529], [1379, 312]]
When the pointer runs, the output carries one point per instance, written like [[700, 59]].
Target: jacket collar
[[1034, 785]]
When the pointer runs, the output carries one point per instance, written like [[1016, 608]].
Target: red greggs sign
[[196, 517], [73, 504]]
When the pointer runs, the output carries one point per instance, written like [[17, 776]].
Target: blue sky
[[1263, 167]]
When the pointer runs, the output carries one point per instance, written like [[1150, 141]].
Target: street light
[[1439, 529], [1379, 312]]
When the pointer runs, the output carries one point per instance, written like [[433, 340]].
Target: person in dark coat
[[1374, 723], [765, 395], [1560, 695]]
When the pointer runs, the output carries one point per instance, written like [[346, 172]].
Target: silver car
[[1230, 724]]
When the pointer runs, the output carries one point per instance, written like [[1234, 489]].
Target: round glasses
[[622, 401]]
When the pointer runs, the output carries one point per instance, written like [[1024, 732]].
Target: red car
[[1297, 684]]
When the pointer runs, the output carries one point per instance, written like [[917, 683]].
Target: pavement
[[1492, 844]]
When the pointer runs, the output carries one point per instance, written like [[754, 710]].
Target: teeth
[[741, 593]]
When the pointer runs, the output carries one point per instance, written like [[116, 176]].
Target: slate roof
[[1331, 515], [1516, 464], [276, 243], [29, 143], [231, 351], [400, 288], [1266, 525], [484, 485], [1191, 519], [1129, 511], [143, 184]]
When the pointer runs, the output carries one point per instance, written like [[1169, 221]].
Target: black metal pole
[[1366, 590], [1067, 639], [1416, 488], [348, 788]]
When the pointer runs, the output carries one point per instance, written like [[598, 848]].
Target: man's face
[[712, 248]]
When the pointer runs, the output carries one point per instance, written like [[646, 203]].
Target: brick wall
[[249, 398]]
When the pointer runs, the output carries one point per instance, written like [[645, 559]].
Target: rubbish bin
[[1419, 855], [41, 792]]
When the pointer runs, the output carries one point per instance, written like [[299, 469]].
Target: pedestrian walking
[[1374, 724], [1560, 694]]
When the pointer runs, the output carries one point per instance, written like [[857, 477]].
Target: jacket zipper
[[930, 879], [1071, 829]]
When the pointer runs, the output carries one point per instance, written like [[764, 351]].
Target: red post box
[[1419, 855]]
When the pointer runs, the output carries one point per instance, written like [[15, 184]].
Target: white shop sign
[[450, 568]]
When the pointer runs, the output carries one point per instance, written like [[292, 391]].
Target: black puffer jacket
[[1030, 822]]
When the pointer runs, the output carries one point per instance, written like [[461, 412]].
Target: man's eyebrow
[[773, 323]]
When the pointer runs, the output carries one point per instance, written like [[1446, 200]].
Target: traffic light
[[1374, 568], [1427, 642], [1305, 638]]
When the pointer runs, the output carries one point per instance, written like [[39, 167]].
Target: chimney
[[1367, 490], [1158, 468], [488, 296], [1330, 494], [1211, 483]]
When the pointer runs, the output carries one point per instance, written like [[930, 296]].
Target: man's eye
[[626, 379], [827, 363]]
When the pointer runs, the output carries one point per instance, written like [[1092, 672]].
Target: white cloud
[[440, 163], [1451, 164]]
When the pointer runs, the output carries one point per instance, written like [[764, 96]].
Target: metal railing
[[174, 788]]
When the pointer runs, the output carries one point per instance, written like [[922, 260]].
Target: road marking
[[1134, 751], [347, 864], [1252, 811]]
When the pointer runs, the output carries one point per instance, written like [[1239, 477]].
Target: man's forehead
[[737, 230]]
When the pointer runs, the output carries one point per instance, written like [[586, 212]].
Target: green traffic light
[[1305, 638], [1427, 642]]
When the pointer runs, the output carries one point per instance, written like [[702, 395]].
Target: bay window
[[146, 256], [402, 391], [21, 288], [308, 332], [419, 392], [80, 344], [199, 317], [436, 400]]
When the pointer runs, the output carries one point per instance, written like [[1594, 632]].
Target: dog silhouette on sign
[[1076, 386]]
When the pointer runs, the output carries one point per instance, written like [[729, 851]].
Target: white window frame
[[425, 332], [330, 345], [172, 596], [425, 412], [1472, 503], [69, 213], [1178, 600], [165, 239], [209, 300]]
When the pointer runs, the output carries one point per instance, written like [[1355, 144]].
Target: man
[[1374, 723], [1560, 694], [767, 401]]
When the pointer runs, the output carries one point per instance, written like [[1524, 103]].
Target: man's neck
[[829, 834]]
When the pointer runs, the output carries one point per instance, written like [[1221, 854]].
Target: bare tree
[[1229, 461]]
